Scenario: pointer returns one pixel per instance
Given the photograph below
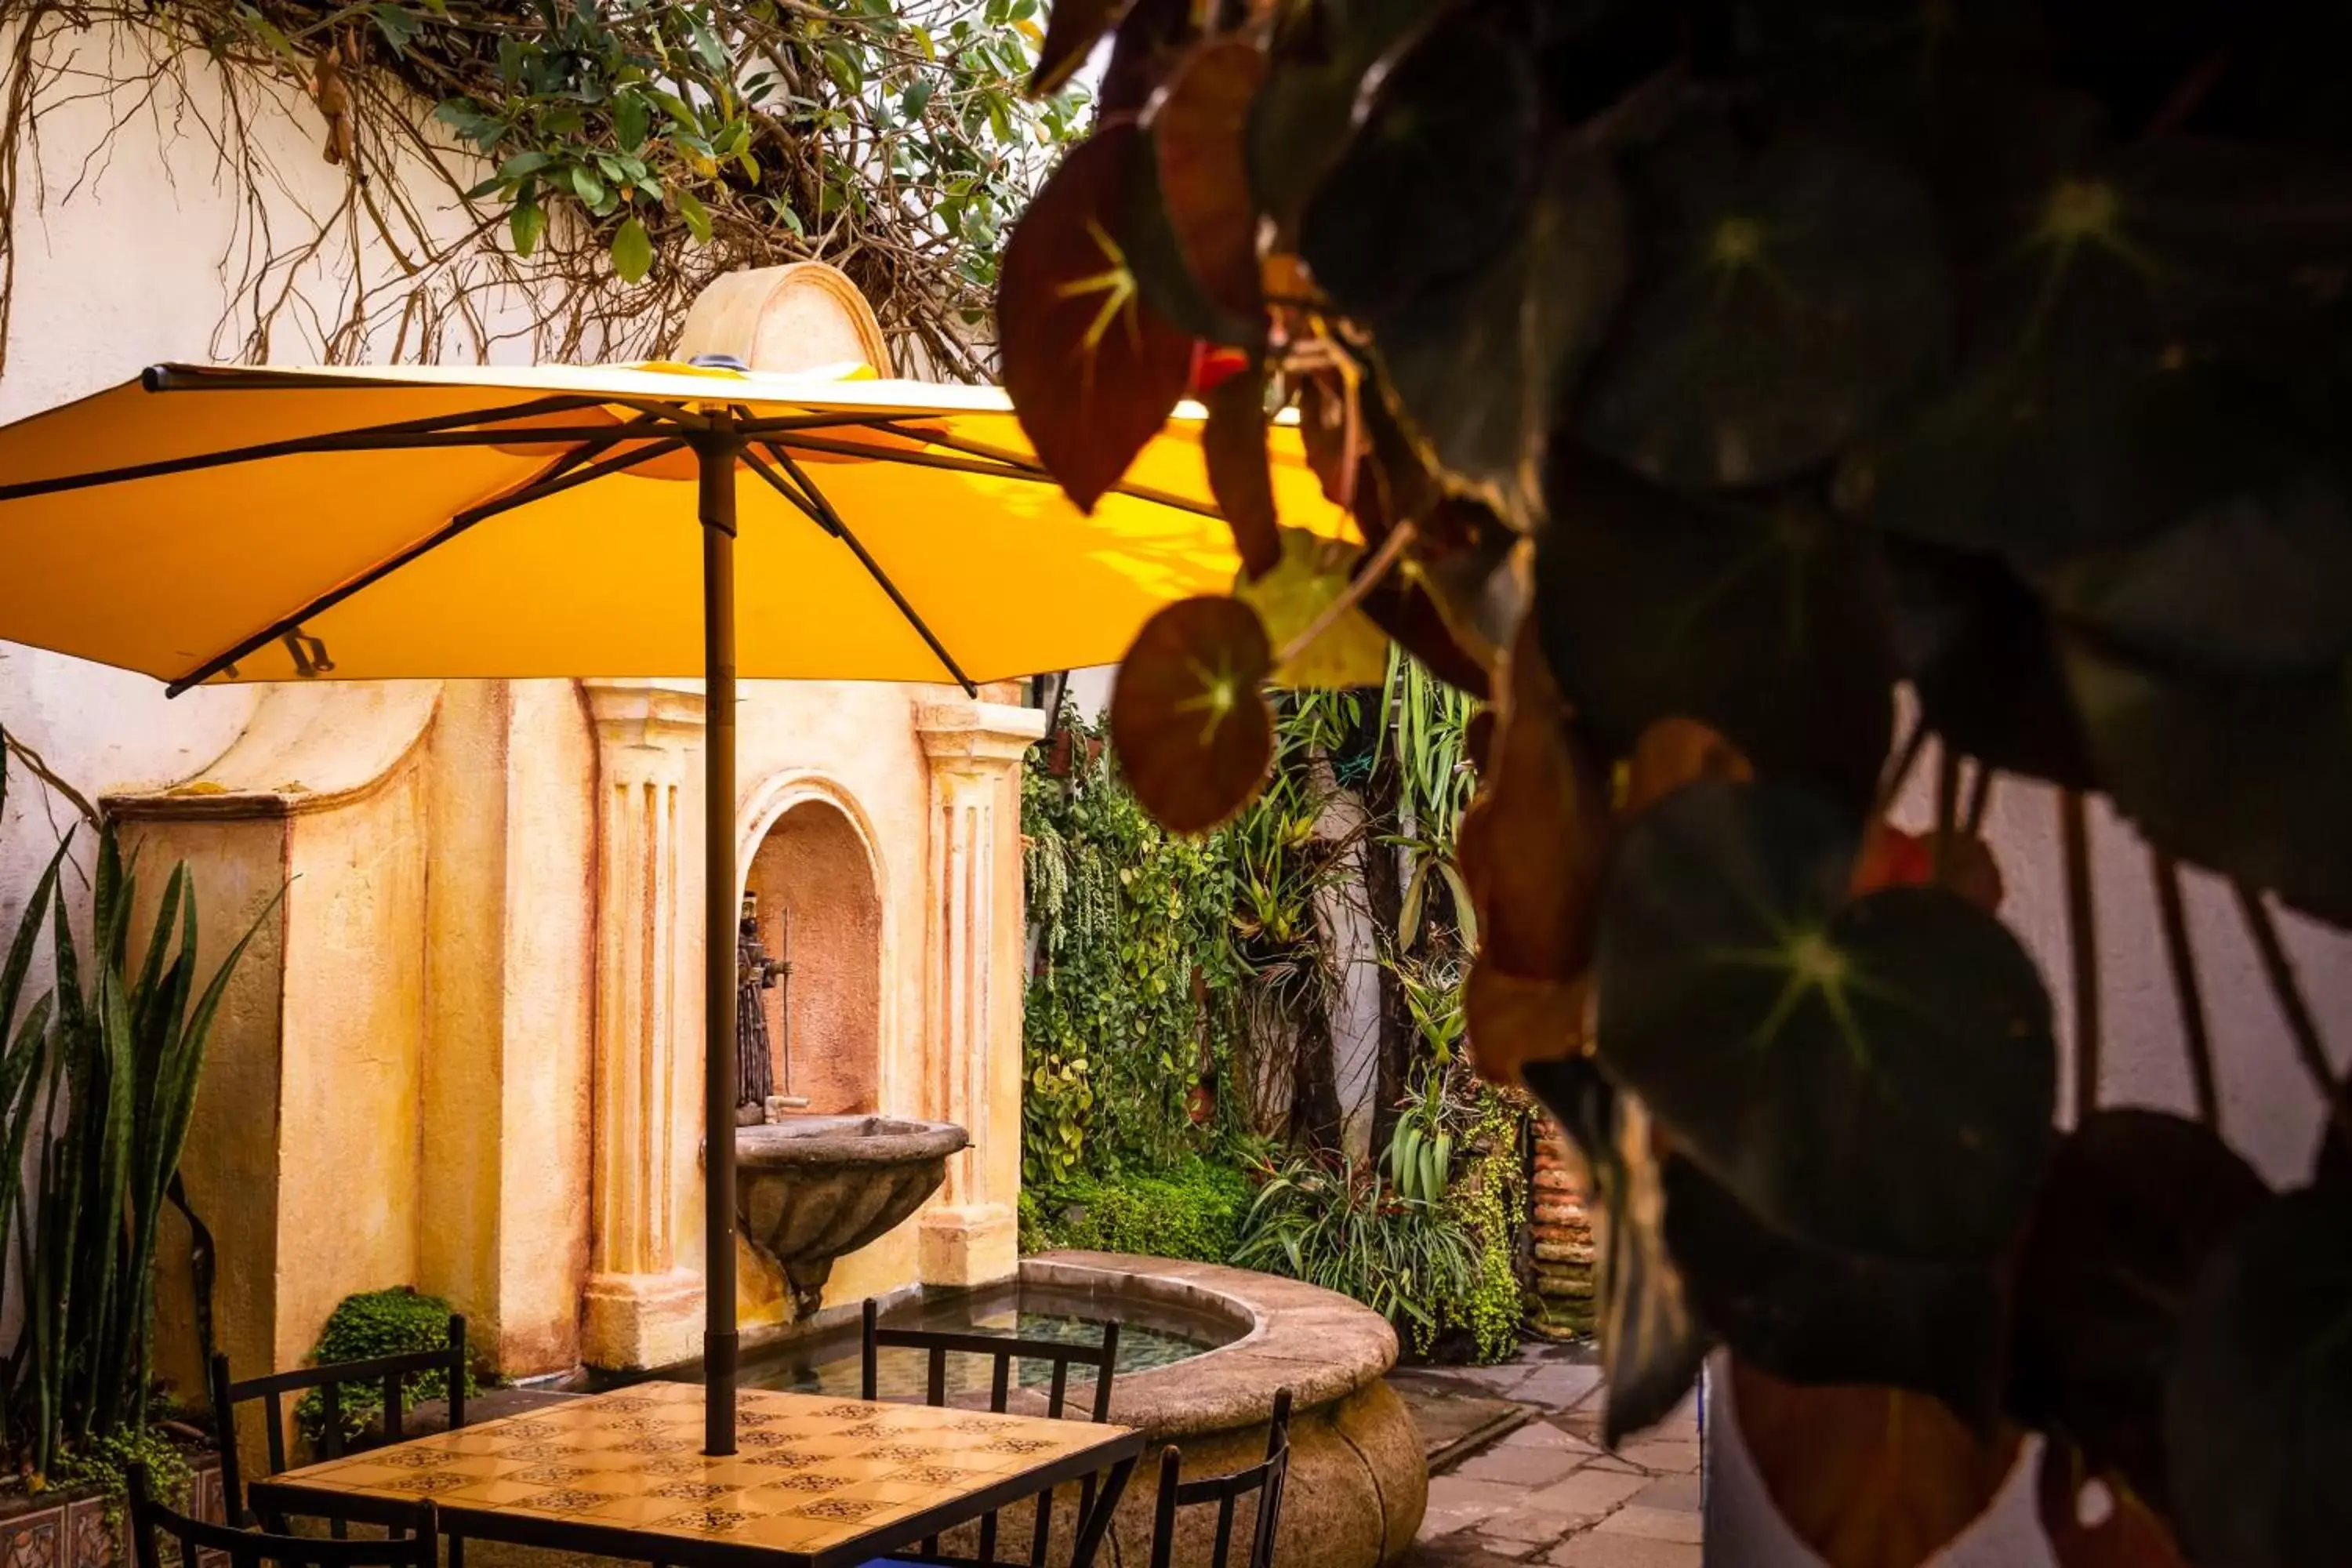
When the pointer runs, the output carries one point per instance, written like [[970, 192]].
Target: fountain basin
[[810, 1189]]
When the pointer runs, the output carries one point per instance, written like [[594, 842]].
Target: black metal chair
[[1264, 1478], [1003, 1351], [391, 1373], [412, 1538]]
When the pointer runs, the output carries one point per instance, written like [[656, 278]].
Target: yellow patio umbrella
[[206, 524]]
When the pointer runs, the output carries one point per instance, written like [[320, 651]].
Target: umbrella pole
[[717, 456]]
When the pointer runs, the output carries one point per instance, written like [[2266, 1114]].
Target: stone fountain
[[809, 1189]]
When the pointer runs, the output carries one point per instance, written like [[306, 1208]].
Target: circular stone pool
[[1152, 1335]]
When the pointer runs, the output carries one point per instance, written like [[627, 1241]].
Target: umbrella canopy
[[490, 521], [206, 524]]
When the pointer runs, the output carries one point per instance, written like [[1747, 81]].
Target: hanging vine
[[569, 175]]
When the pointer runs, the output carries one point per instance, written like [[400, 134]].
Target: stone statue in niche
[[755, 972]]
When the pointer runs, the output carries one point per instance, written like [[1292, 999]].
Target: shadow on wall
[[820, 912]]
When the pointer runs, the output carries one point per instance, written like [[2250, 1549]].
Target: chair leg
[[457, 1551]]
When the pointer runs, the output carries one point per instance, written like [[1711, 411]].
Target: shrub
[[378, 1323], [1342, 1228], [1193, 1210], [105, 1463]]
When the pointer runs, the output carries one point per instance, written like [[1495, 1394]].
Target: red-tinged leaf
[[1092, 371], [1532, 847], [1868, 1478], [1192, 730], [1671, 753], [1400, 605], [1071, 34], [1533, 844], [1329, 435], [1478, 739], [1213, 365], [1147, 49], [2133, 1206], [1892, 858], [1513, 1021], [1199, 133], [1233, 446], [2095, 1520]]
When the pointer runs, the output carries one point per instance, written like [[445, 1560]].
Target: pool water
[[1149, 1335]]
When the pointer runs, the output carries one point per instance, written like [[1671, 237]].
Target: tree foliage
[[604, 159], [1702, 375]]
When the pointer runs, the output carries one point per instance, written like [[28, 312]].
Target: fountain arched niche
[[821, 1181], [819, 908]]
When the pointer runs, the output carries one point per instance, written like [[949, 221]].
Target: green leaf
[[1475, 360], [1982, 655], [1292, 598], [697, 215], [1793, 293], [630, 122], [529, 221], [1302, 121], [1770, 627], [267, 31], [2247, 775], [587, 185], [1875, 1076], [398, 27], [1438, 177], [523, 164], [633, 250], [2258, 1397]]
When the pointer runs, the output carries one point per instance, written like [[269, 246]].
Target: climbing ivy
[[1490, 1199], [1129, 1005]]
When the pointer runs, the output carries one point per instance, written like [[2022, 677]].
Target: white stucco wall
[[130, 246]]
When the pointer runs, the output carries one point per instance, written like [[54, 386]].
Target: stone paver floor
[[1548, 1493]]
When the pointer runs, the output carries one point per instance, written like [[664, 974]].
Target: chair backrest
[[389, 1373], [1003, 1351], [413, 1540], [1264, 1478]]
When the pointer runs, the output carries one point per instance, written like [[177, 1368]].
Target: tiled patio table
[[817, 1482]]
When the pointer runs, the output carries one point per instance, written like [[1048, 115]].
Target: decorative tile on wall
[[31, 1539]]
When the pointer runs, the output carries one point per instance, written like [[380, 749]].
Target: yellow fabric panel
[[162, 574]]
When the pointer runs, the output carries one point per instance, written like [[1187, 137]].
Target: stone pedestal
[[642, 1306], [971, 1061]]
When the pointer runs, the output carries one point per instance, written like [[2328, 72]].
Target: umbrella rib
[[441, 430], [976, 459], [820, 511], [565, 473]]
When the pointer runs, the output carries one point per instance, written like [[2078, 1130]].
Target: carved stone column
[[642, 1308], [973, 945]]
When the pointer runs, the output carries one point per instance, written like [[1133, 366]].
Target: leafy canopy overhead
[[1751, 398]]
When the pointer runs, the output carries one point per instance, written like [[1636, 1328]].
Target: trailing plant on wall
[[96, 1088], [1699, 373], [1129, 1003], [605, 160]]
